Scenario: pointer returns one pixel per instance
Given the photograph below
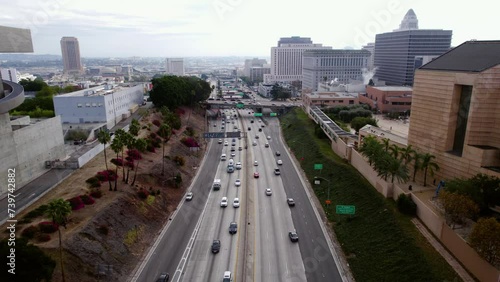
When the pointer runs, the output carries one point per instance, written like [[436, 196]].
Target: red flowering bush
[[117, 161], [93, 182], [29, 232], [87, 199], [106, 175], [130, 164], [134, 154], [76, 203], [157, 122], [189, 142], [153, 135], [143, 194], [180, 111], [41, 237], [96, 193], [48, 226], [151, 148]]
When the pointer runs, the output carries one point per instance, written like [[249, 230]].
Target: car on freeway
[[230, 169], [256, 136], [240, 148], [215, 246], [223, 202], [277, 171], [236, 203], [266, 145], [163, 277], [269, 192], [233, 154], [220, 141], [255, 163], [189, 196], [237, 182], [268, 137], [226, 143], [279, 162], [251, 121], [238, 165], [293, 236], [263, 125], [227, 276], [255, 175], [254, 143], [233, 228], [260, 129], [290, 202], [278, 153]]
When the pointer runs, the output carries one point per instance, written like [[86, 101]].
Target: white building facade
[[340, 66], [175, 66], [286, 59], [9, 74], [102, 104]]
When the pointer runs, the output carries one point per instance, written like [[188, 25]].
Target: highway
[[261, 250]]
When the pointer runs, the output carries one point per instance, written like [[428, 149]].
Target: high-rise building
[[250, 63], [71, 55], [370, 47], [9, 74], [339, 65], [395, 51], [257, 73], [175, 66], [286, 59]]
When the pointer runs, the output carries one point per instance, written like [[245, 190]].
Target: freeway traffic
[[274, 241]]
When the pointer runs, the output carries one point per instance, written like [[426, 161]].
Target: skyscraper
[[286, 58], [395, 51], [71, 55]]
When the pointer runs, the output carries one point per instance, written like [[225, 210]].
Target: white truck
[[216, 185]]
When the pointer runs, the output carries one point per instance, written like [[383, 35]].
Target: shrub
[[152, 135], [76, 203], [35, 213], [42, 237], [106, 175], [406, 205], [96, 193], [48, 227], [117, 161], [94, 182], [87, 199], [157, 122], [103, 229], [29, 232], [134, 154], [189, 142], [180, 111], [151, 149], [179, 160], [189, 131], [130, 164], [143, 194]]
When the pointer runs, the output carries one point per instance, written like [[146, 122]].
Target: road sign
[[213, 134], [341, 209], [257, 114], [328, 202], [233, 134], [273, 114], [318, 166], [240, 105]]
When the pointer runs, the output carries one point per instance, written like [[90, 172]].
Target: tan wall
[[431, 220]]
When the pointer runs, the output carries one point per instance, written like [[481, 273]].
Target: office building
[[257, 73], [370, 47], [175, 66], [286, 59], [9, 74], [71, 55], [395, 51], [328, 65], [251, 63], [108, 104], [454, 113], [387, 99]]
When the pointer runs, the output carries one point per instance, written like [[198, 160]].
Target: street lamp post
[[318, 178]]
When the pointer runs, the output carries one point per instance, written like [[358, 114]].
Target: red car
[[255, 175]]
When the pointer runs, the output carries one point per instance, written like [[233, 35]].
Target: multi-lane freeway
[[261, 249]]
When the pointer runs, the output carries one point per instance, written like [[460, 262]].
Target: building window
[[462, 118]]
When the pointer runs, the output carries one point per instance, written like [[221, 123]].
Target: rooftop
[[393, 88], [336, 94], [100, 90], [470, 56]]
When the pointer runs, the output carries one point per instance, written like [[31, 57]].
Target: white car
[[237, 183], [233, 154], [254, 143], [220, 141], [189, 196], [269, 192], [268, 137], [236, 203], [255, 163], [226, 143], [238, 165], [279, 162], [223, 202]]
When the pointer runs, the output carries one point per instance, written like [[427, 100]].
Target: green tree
[[429, 165], [104, 138], [32, 85], [371, 148], [388, 166], [32, 264], [46, 91], [417, 163], [117, 146], [457, 207], [359, 122], [123, 137], [406, 154], [141, 145], [485, 239], [387, 143], [134, 127], [129, 142], [395, 151], [59, 210], [483, 189], [164, 132]]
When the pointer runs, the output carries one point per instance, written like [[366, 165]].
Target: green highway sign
[[273, 114], [318, 166], [257, 114], [233, 134], [240, 105], [341, 209]]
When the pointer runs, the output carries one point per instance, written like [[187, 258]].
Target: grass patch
[[380, 243], [132, 236]]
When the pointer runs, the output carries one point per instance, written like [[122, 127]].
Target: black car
[[215, 246], [293, 236], [163, 277], [249, 128], [278, 153], [260, 129], [233, 227]]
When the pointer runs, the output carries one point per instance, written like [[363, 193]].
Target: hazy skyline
[[231, 27]]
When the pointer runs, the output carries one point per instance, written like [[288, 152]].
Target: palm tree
[[371, 148], [386, 143], [134, 127], [104, 138], [117, 146], [406, 154], [164, 132], [121, 136], [59, 210], [129, 142], [395, 151], [141, 145], [417, 163], [388, 166], [429, 165]]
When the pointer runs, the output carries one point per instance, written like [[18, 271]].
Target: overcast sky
[[182, 28]]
